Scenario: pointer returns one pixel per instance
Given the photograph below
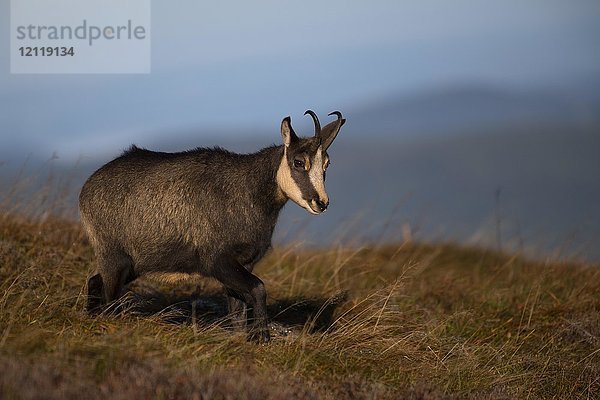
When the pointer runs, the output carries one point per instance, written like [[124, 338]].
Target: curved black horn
[[337, 113], [332, 129], [340, 120], [315, 120]]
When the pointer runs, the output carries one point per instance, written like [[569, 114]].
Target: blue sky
[[244, 65]]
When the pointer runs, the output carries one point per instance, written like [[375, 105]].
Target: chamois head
[[301, 173]]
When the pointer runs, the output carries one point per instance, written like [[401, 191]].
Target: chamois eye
[[298, 163]]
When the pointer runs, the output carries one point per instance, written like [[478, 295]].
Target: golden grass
[[404, 321]]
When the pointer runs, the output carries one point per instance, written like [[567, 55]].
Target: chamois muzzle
[[318, 206]]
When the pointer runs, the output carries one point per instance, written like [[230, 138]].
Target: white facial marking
[[288, 186], [316, 176]]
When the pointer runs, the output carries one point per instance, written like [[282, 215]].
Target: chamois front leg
[[250, 288], [238, 311]]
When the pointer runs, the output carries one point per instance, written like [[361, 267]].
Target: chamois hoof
[[259, 336]]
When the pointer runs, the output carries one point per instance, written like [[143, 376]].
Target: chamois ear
[[330, 131], [287, 132]]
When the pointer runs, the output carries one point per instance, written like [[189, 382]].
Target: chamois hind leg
[[95, 299], [116, 270]]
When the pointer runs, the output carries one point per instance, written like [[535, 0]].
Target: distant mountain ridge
[[466, 108]]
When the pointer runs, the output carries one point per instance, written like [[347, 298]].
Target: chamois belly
[[182, 257]]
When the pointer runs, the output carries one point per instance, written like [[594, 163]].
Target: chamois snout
[[318, 205]]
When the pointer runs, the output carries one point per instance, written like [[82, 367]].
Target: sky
[[237, 66]]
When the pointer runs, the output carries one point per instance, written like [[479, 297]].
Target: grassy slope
[[418, 322]]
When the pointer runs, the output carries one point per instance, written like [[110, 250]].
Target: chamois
[[206, 211]]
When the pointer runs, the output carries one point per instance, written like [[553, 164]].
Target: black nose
[[322, 205]]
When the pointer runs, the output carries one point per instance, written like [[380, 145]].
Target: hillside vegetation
[[405, 321]]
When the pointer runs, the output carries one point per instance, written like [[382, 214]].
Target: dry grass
[[405, 321]]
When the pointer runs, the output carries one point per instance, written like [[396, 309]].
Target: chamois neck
[[268, 161]]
